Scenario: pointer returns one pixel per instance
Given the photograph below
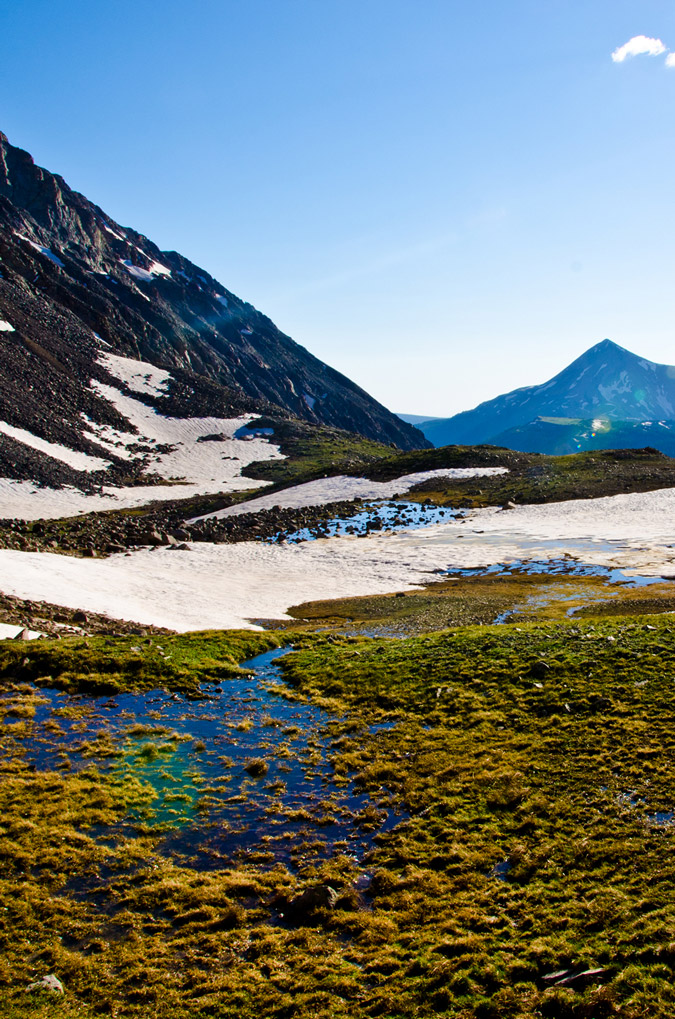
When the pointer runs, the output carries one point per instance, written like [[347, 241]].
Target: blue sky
[[444, 200]]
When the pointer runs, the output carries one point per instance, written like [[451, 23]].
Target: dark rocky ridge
[[224, 354]]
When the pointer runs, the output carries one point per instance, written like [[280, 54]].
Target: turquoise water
[[193, 754]]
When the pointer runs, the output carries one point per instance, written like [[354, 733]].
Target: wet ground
[[243, 774], [377, 516]]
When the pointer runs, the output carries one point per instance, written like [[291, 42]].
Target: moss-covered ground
[[535, 763], [512, 595]]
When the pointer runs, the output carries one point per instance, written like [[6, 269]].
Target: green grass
[[313, 452], [544, 751], [98, 665]]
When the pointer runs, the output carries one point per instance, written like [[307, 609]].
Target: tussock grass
[[535, 763]]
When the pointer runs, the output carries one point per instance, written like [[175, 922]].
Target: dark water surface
[[207, 806]]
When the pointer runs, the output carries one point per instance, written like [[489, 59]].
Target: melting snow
[[139, 376], [342, 487], [228, 585], [43, 251], [78, 461], [6, 327], [147, 275], [112, 232]]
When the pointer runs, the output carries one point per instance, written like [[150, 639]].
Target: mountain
[[560, 436], [607, 386], [416, 419], [73, 283]]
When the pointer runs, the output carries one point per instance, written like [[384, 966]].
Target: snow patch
[[8, 632], [147, 275], [6, 327], [229, 585], [157, 269], [202, 466], [139, 376], [112, 232], [47, 252], [78, 461], [309, 400], [343, 487]]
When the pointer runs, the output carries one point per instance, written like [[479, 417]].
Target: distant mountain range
[[607, 398], [74, 284]]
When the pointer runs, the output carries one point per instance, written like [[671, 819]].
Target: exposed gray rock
[[48, 983]]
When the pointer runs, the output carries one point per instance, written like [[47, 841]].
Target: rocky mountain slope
[[606, 398], [74, 283]]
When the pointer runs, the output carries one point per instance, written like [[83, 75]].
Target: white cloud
[[638, 45], [670, 60]]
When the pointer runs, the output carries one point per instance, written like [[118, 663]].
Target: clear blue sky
[[442, 199]]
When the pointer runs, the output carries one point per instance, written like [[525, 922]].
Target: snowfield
[[139, 376], [343, 487], [230, 585], [190, 466], [73, 457]]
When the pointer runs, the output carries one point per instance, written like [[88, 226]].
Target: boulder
[[149, 538], [317, 896], [22, 635], [48, 983]]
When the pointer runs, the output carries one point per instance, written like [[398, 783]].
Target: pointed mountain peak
[[606, 347], [603, 355], [605, 381]]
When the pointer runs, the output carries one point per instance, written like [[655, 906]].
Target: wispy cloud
[[641, 45], [670, 60]]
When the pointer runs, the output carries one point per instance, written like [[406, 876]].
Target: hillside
[[606, 390], [74, 283]]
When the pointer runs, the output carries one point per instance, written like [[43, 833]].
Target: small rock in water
[[47, 983]]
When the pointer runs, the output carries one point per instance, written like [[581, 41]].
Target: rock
[[583, 979], [167, 539], [318, 896], [180, 534], [577, 979], [149, 538], [22, 635], [112, 547], [79, 616], [509, 505], [48, 983]]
